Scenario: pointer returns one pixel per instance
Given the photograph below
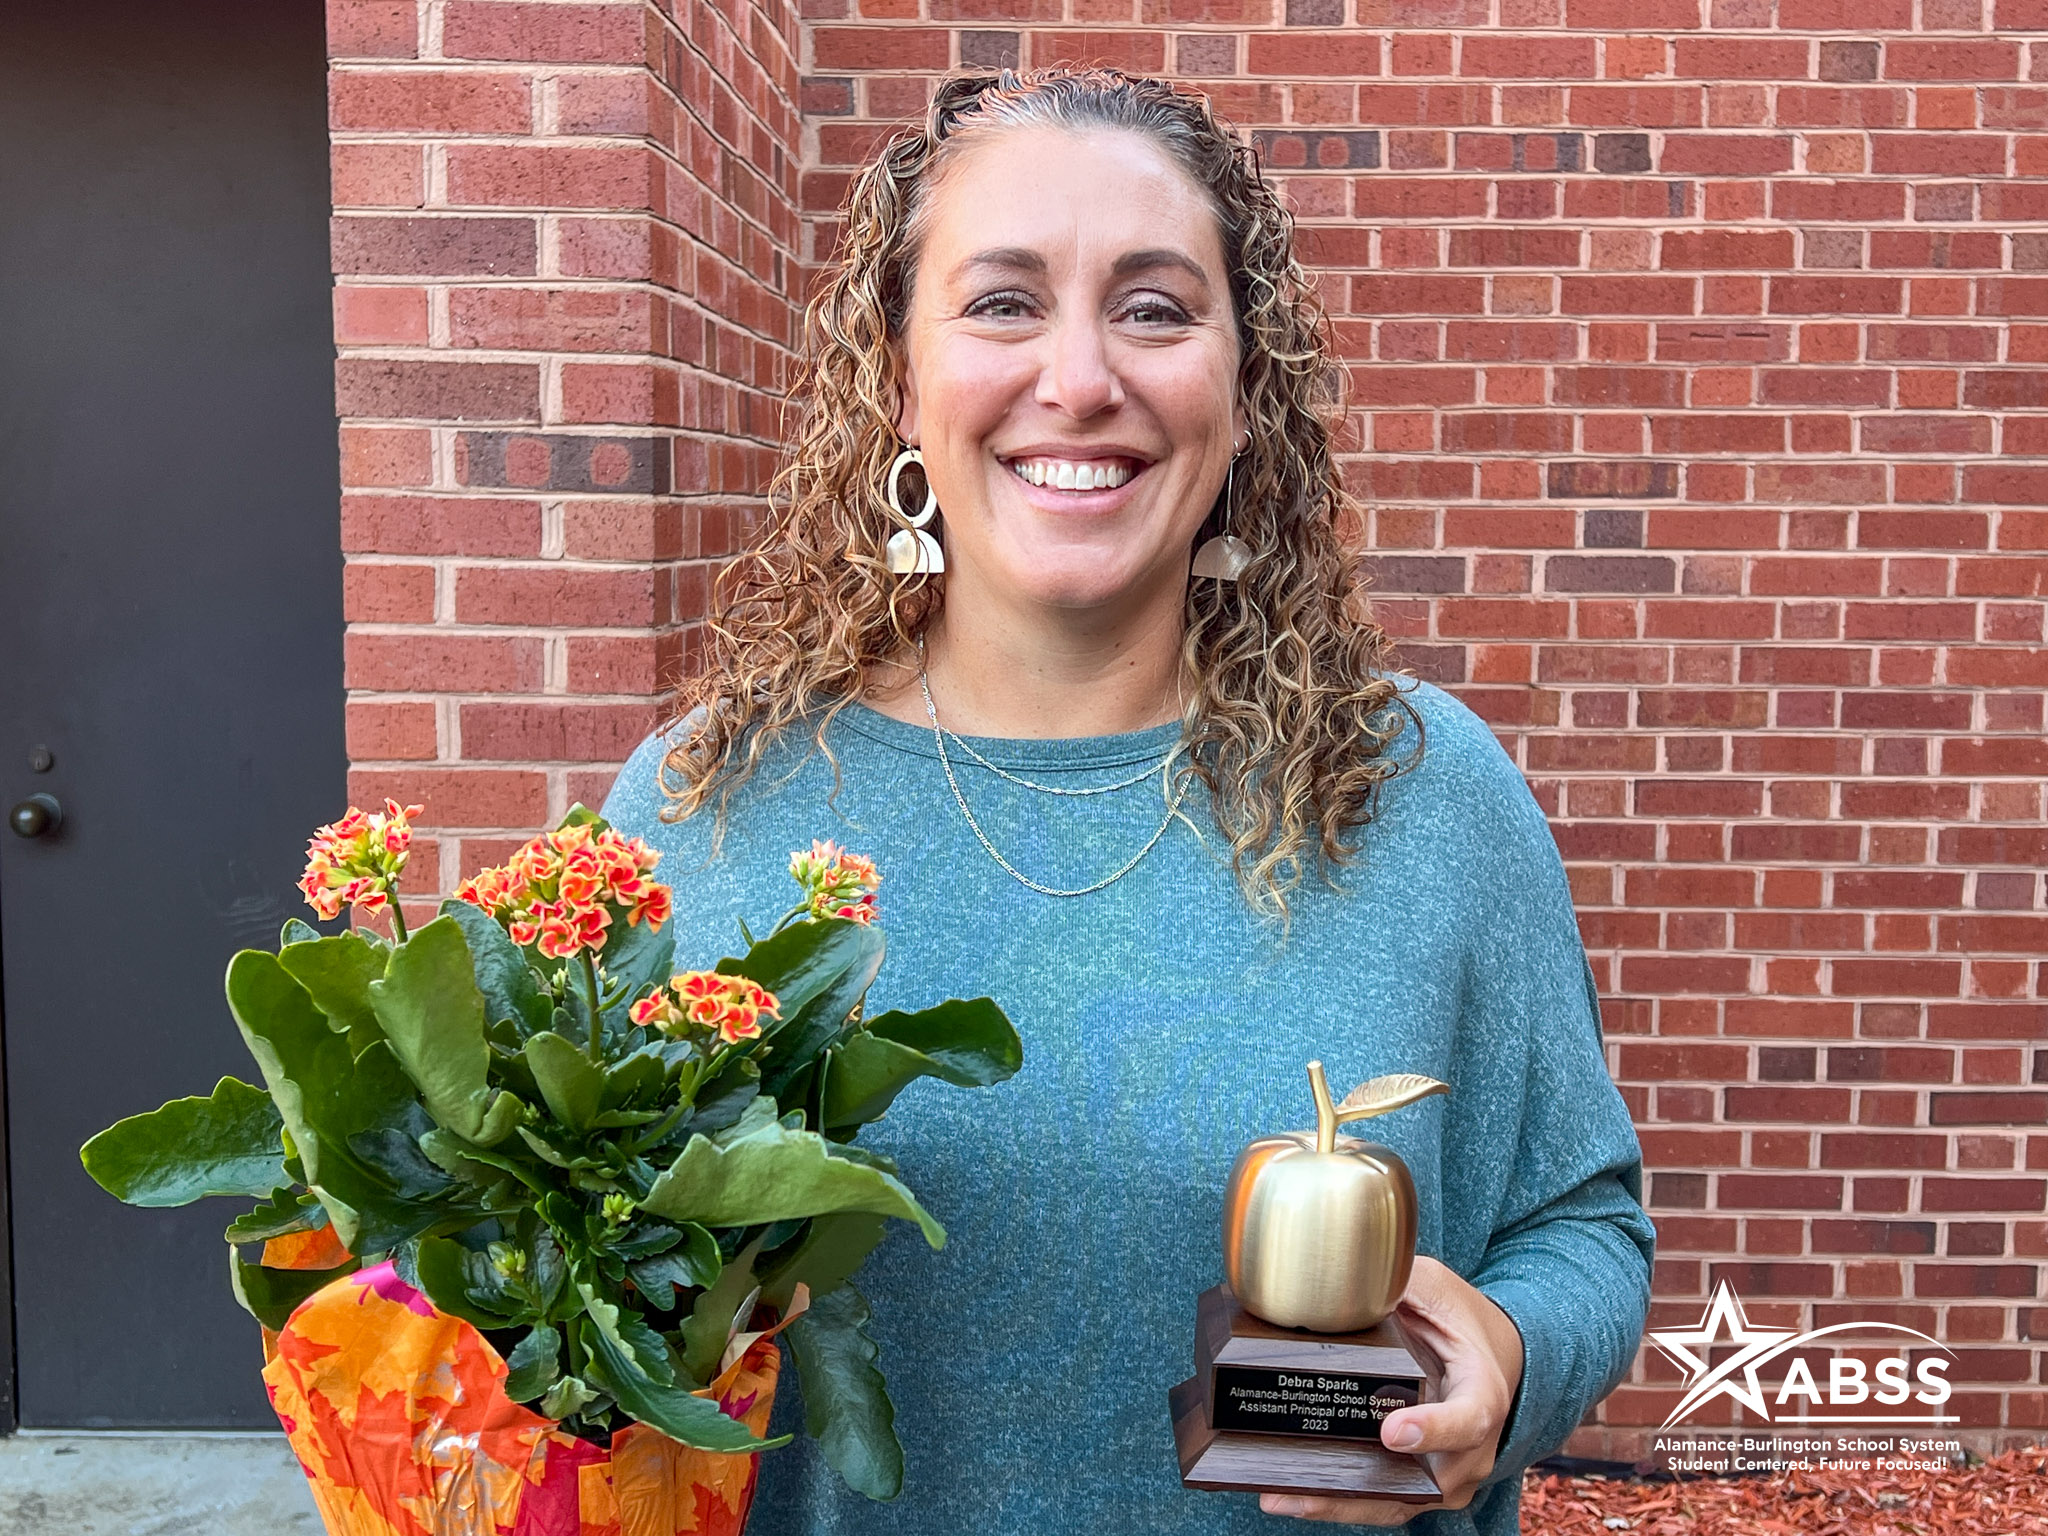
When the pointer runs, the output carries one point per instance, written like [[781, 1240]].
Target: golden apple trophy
[[1300, 1356]]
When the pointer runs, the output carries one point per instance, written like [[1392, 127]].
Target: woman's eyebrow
[[1007, 258], [1017, 258], [1159, 256]]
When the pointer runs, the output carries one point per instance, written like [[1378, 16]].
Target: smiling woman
[[1070, 268], [1072, 387], [1177, 816]]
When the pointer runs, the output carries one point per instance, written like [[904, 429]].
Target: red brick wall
[[1698, 403], [565, 247]]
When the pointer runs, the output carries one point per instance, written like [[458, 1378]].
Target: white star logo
[[1722, 1323]]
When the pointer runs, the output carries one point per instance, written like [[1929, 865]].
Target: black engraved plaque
[[1283, 1410], [1282, 1402]]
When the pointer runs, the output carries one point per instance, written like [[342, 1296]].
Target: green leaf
[[566, 1397], [630, 1332], [646, 1238], [971, 1038], [818, 971], [692, 1263], [641, 1076], [637, 955], [625, 1119], [572, 1087], [286, 1211], [337, 973], [658, 1279], [272, 1295], [502, 974], [778, 1174], [297, 931], [396, 1155], [447, 1273], [547, 1271], [534, 1364], [846, 1403], [967, 1043], [867, 1157], [299, 1056], [723, 1100], [805, 959], [761, 1114], [710, 1323], [325, 1096], [433, 1016], [370, 1214], [546, 1151], [831, 1251], [676, 1412], [227, 1144], [458, 1159]]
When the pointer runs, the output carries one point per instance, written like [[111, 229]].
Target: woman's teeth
[[1067, 475]]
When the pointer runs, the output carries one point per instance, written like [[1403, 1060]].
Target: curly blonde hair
[[1289, 706]]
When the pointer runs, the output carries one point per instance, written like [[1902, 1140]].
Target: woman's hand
[[1481, 1351]]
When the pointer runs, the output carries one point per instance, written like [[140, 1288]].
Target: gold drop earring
[[1225, 557], [911, 551]]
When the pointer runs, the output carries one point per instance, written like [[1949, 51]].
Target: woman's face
[[1070, 367]]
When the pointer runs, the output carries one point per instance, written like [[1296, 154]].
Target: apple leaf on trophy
[[1383, 1095]]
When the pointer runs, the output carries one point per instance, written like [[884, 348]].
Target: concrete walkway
[[152, 1485]]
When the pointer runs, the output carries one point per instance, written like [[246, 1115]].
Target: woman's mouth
[[1074, 474]]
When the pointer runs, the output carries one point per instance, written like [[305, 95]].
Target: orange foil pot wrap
[[398, 1415]]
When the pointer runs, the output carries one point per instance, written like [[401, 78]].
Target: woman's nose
[[1079, 377]]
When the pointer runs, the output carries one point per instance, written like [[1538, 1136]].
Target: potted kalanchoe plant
[[533, 1201]]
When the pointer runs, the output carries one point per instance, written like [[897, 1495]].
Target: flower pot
[[398, 1415]]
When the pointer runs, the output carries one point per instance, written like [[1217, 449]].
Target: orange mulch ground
[[2005, 1496]]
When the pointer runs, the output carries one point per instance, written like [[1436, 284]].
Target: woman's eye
[[1000, 306], [1151, 311]]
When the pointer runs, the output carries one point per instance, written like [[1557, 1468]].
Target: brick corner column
[[564, 243]]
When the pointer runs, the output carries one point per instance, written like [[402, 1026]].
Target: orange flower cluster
[[706, 1002], [355, 861], [836, 883], [560, 892]]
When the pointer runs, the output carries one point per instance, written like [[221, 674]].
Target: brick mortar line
[[606, 700], [530, 425], [438, 283], [502, 211], [586, 564]]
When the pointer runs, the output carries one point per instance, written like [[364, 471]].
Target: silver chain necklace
[[1053, 789], [939, 738]]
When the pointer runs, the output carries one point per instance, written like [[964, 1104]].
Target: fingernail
[[1402, 1437]]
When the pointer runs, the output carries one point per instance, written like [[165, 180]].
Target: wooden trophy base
[[1248, 1371]]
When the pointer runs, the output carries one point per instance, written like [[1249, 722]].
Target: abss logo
[[1848, 1383]]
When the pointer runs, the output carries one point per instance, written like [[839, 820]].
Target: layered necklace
[[939, 738]]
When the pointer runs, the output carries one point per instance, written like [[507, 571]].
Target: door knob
[[37, 816]]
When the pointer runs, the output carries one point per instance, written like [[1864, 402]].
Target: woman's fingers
[[1435, 1301], [1461, 1420], [1480, 1356]]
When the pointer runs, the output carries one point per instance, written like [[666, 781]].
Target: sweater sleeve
[[1574, 1271], [1569, 1254]]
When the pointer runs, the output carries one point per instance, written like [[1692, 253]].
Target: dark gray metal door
[[170, 632]]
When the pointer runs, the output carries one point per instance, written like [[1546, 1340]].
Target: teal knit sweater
[[1164, 1026]]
